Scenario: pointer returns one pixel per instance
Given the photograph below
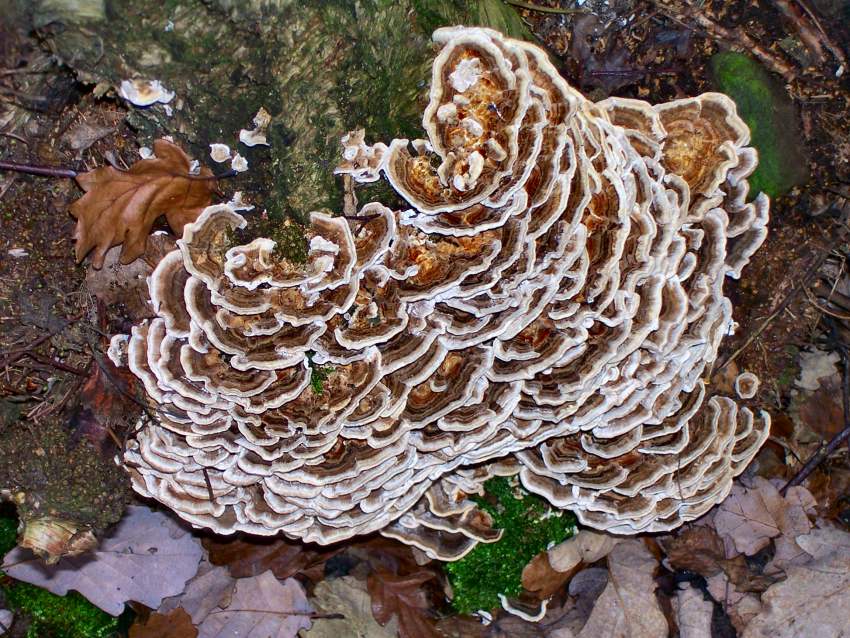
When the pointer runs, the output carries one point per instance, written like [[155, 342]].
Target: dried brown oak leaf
[[403, 597], [245, 558], [175, 624], [120, 207]]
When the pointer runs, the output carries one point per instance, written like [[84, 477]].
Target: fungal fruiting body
[[546, 308]]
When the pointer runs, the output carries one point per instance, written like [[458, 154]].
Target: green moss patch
[[769, 113], [530, 525], [53, 616]]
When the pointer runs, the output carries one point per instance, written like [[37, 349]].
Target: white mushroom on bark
[[547, 308]]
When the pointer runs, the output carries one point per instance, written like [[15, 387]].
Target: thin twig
[[25, 71], [14, 355], [823, 453], [14, 137], [801, 22], [539, 9], [50, 171], [6, 186], [49, 361], [735, 37], [46, 171], [824, 309], [845, 388], [209, 485], [836, 50], [309, 614]]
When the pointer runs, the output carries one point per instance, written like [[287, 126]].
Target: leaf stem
[[45, 171], [224, 175], [50, 171]]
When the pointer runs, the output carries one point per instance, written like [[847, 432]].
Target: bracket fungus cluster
[[546, 308]]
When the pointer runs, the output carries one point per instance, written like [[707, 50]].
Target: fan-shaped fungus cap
[[746, 385], [546, 308], [257, 135], [145, 92]]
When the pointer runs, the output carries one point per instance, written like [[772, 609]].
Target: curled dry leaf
[[545, 574], [120, 207], [403, 597], [145, 558], [209, 589], [585, 547], [104, 404], [261, 607], [175, 624], [541, 578], [251, 557], [696, 548]]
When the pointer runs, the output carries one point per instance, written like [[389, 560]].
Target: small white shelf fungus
[[239, 163], [237, 202], [746, 385], [257, 135], [145, 92], [547, 315], [219, 153], [361, 161]]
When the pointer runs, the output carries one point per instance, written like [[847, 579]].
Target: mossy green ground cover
[[768, 112], [530, 525]]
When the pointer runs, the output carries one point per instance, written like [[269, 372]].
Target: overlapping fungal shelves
[[546, 307]]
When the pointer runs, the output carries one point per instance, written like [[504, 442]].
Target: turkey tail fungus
[[547, 307]]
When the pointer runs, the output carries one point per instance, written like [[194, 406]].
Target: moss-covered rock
[[530, 525], [769, 113], [66, 493]]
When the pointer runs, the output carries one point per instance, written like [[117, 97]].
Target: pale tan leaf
[[585, 547], [347, 596], [693, 612], [740, 606], [628, 607], [751, 516], [261, 607], [814, 600], [210, 588]]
